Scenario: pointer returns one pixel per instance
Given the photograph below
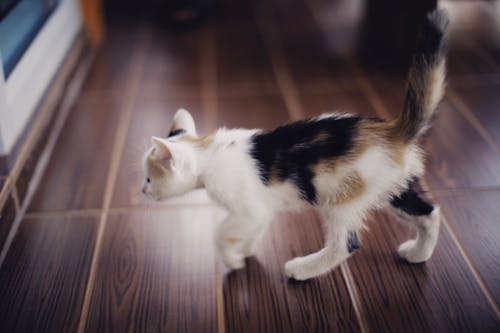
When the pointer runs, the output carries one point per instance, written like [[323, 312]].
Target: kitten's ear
[[161, 147], [164, 152], [183, 121]]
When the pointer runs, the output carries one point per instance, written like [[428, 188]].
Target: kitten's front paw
[[413, 254], [294, 269], [234, 261]]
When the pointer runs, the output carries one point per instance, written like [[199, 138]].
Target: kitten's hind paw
[[412, 253], [294, 269]]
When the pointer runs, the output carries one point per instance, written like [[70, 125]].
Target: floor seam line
[[208, 92], [283, 76], [117, 210], [469, 116], [135, 71], [352, 289], [208, 77], [465, 257]]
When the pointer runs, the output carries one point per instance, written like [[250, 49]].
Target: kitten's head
[[170, 165]]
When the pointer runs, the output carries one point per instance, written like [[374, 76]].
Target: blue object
[[19, 24]]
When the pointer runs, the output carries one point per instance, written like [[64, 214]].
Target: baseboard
[[21, 166]]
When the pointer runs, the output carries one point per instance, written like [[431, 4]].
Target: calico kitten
[[342, 165]]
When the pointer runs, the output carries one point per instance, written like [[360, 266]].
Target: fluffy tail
[[426, 79]]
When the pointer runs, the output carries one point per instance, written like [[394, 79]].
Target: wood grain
[[43, 278], [243, 67], [439, 295], [483, 101], [261, 299], [473, 39], [108, 75], [474, 217], [7, 216], [343, 101], [256, 111], [450, 145], [172, 66], [156, 273], [76, 175], [315, 59]]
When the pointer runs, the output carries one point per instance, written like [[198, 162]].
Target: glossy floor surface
[[93, 255]]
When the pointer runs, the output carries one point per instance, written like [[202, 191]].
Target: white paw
[[295, 269], [411, 253], [234, 261]]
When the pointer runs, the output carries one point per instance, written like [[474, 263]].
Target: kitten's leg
[[340, 243], [235, 238], [425, 217]]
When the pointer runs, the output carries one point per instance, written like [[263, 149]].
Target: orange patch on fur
[[352, 188], [232, 240], [203, 142]]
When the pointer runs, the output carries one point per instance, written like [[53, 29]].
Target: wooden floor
[[93, 255]]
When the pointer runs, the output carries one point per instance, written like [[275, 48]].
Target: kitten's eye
[[148, 180]]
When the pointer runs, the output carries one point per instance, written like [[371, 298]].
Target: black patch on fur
[[176, 132], [430, 41], [290, 150], [411, 203], [353, 242]]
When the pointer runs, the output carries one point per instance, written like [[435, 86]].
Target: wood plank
[[473, 216], [247, 92], [156, 272], [259, 298], [316, 60], [43, 278], [7, 215], [465, 59], [107, 76], [343, 101], [76, 175], [483, 102], [172, 66], [473, 39], [450, 145], [258, 111], [243, 67], [439, 295]]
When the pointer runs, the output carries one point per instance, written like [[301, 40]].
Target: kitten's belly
[[285, 197]]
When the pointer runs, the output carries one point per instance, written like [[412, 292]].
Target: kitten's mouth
[[150, 196], [154, 197]]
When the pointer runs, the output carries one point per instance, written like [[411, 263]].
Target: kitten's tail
[[426, 78]]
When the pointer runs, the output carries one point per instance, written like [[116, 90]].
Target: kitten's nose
[[143, 189]]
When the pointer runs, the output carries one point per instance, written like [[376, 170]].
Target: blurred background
[[84, 84]]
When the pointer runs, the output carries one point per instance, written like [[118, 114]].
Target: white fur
[[420, 249], [231, 178]]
